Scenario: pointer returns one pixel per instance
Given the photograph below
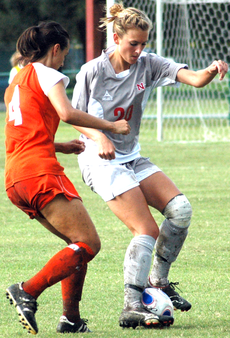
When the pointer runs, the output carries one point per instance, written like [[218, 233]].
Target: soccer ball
[[156, 301]]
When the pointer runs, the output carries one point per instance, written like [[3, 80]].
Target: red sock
[[60, 266], [71, 294]]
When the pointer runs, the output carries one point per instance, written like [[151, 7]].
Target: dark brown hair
[[35, 41]]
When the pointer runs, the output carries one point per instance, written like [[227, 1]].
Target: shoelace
[[174, 286], [32, 302]]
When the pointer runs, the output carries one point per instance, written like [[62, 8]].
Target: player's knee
[[179, 211], [97, 247]]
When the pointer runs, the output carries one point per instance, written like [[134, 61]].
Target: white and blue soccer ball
[[156, 301]]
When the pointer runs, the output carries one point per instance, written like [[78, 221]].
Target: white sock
[[137, 264]]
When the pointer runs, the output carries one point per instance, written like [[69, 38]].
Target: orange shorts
[[33, 194]]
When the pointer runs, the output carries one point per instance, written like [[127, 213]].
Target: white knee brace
[[174, 229], [179, 211]]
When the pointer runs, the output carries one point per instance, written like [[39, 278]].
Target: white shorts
[[110, 180]]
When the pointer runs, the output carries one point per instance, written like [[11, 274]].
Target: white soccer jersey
[[103, 93]]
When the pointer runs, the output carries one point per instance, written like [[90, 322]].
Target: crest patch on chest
[[107, 96]]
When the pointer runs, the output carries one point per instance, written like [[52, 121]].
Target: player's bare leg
[[132, 209], [69, 221]]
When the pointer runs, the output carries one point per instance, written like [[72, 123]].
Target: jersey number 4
[[122, 114], [14, 108]]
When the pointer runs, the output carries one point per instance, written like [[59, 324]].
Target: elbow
[[200, 85], [65, 119], [65, 116]]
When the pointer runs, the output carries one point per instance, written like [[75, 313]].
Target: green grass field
[[201, 171]]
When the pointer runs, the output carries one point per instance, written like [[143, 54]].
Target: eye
[[133, 43]]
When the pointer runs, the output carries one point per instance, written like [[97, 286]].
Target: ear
[[56, 49], [116, 38]]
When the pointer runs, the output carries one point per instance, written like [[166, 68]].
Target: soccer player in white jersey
[[116, 86]]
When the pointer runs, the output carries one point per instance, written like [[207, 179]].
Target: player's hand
[[121, 127], [106, 149], [72, 147], [220, 67]]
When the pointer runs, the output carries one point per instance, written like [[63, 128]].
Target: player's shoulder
[[149, 59], [150, 56], [154, 61], [48, 77], [93, 65]]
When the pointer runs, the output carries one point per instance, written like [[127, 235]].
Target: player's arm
[[68, 114], [72, 147], [106, 149], [201, 78]]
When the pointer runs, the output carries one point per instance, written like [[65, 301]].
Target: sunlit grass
[[201, 171]]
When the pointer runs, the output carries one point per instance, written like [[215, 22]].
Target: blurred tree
[[17, 15], [70, 14]]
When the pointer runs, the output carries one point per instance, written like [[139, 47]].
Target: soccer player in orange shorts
[[34, 179]]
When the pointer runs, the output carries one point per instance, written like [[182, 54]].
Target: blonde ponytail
[[125, 18]]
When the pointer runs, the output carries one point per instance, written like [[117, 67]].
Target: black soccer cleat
[[141, 317], [179, 302], [25, 305], [65, 326]]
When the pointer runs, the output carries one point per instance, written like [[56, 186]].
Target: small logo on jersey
[[140, 86], [107, 96]]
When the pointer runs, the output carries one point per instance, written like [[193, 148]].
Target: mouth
[[134, 58]]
